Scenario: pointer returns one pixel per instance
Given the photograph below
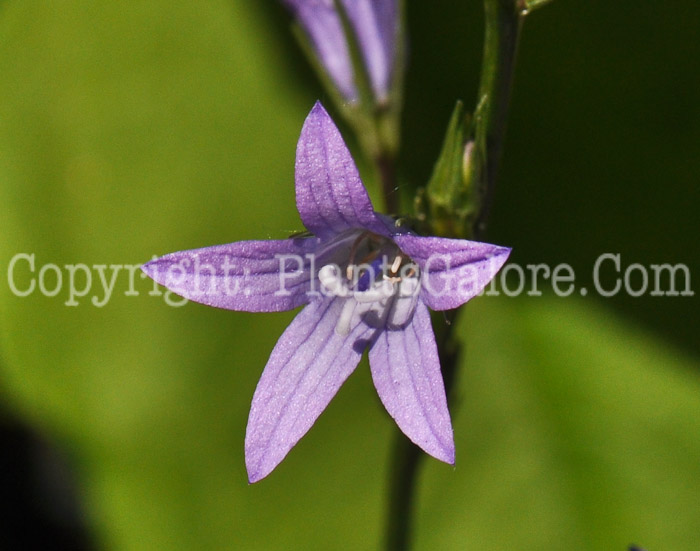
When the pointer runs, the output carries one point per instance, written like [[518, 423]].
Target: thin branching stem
[[503, 20], [503, 25]]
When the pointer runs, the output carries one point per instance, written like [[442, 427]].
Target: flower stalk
[[503, 20]]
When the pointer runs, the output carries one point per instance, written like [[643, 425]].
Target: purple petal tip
[[318, 107], [444, 452], [255, 477], [449, 456], [319, 113], [147, 268]]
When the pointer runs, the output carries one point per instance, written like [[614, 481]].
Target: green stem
[[387, 140], [407, 456], [503, 23], [385, 164]]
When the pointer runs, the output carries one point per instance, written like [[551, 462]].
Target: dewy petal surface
[[329, 193], [452, 270], [323, 26], [242, 276], [308, 365], [375, 24], [406, 372]]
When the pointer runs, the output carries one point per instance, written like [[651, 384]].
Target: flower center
[[379, 282]]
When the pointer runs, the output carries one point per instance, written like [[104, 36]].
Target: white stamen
[[405, 302], [380, 291], [408, 286], [343, 325], [396, 265]]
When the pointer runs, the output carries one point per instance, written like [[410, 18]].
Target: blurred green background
[[138, 128]]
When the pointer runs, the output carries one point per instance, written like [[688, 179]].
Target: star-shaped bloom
[[366, 284], [375, 25]]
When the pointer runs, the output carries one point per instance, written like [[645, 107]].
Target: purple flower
[[375, 25], [366, 283]]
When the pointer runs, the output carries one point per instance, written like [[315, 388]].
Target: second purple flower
[[375, 26]]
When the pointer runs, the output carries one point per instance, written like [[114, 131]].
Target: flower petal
[[244, 276], [306, 368], [330, 195], [375, 25], [452, 270], [323, 25], [406, 372]]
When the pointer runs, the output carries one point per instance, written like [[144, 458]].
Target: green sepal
[[449, 203]]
